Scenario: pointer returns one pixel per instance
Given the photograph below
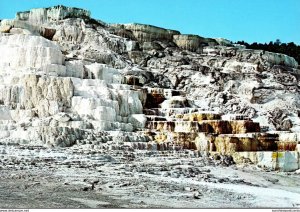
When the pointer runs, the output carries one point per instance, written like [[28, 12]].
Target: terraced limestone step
[[272, 160]]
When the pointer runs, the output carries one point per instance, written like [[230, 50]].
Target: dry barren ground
[[85, 177]]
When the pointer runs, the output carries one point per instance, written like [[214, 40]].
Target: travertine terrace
[[69, 82]]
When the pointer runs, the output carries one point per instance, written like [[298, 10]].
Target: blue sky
[[248, 20]]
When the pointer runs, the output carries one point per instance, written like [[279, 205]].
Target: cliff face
[[67, 78], [44, 15]]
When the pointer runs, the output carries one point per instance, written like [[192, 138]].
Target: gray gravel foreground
[[79, 177]]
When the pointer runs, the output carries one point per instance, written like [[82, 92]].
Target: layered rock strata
[[67, 79]]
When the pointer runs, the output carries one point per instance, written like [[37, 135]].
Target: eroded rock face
[[23, 27], [148, 33], [192, 43], [37, 85], [68, 76], [29, 51], [42, 15]]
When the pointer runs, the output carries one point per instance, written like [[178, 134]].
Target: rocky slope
[[66, 78]]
